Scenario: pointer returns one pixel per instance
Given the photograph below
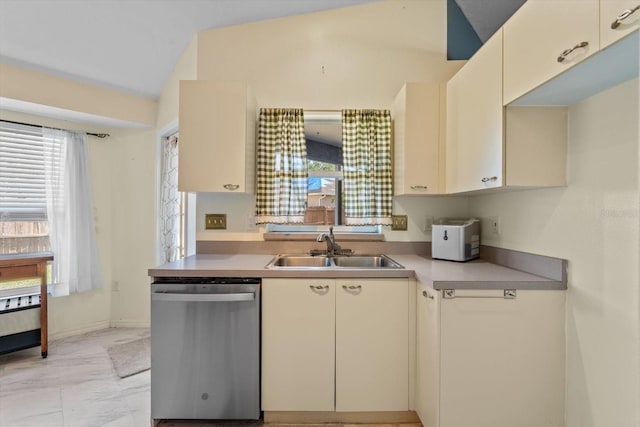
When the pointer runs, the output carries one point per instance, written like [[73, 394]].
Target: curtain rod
[[97, 135]]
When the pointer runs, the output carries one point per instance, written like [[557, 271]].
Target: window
[[45, 203], [23, 218], [325, 201]]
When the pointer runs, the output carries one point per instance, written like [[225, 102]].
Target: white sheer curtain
[[69, 212], [170, 200]]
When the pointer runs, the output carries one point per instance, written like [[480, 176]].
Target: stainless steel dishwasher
[[205, 348]]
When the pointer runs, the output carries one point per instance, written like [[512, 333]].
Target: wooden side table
[[25, 266]]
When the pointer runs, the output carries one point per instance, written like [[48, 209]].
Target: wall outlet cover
[[399, 222], [215, 221]]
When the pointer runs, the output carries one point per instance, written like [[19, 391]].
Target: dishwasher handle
[[182, 297]]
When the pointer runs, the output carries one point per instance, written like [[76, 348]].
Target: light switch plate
[[215, 221], [399, 222]]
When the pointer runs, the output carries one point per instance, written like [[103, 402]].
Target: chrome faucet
[[332, 246]]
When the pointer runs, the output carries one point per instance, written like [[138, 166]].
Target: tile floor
[[76, 386]]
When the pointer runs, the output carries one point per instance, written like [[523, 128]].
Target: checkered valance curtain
[[281, 167], [366, 151]]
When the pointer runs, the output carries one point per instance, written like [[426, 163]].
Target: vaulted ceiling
[[133, 45], [127, 45]]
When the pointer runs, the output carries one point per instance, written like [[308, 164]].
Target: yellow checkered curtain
[[281, 195], [368, 174]]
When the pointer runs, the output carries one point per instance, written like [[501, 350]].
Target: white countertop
[[477, 274]]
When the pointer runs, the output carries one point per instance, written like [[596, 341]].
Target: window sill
[[346, 237]]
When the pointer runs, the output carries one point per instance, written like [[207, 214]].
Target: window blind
[[22, 172]]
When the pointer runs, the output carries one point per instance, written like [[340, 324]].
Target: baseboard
[[129, 323], [104, 324], [286, 417]]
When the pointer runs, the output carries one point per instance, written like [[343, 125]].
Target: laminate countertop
[[476, 274]]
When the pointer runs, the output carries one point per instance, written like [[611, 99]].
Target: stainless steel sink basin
[[365, 261], [323, 261], [300, 261]]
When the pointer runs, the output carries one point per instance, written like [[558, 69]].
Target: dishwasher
[[205, 348]]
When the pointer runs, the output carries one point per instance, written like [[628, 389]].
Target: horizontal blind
[[22, 172]]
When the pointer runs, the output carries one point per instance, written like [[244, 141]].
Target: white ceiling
[[127, 45]]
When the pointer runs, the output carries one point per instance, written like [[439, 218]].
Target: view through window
[[23, 220], [323, 134]]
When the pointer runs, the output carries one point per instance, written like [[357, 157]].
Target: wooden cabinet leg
[[44, 344]]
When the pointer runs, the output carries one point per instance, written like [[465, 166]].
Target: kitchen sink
[[365, 261], [326, 261], [300, 261]]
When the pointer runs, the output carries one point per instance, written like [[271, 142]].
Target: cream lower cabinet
[[372, 345], [335, 345], [298, 344], [500, 362]]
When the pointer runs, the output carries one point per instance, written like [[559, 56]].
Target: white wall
[[134, 213], [593, 223], [356, 57]]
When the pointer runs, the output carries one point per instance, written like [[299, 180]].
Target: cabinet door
[[538, 33], [623, 14], [475, 121], [372, 345], [428, 355], [298, 333], [502, 360], [213, 136], [416, 116]]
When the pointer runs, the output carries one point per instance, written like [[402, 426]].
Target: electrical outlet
[[215, 221], [399, 222], [494, 224], [428, 224]]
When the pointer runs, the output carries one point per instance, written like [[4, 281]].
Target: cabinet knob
[[489, 178], [352, 287], [624, 15], [419, 187], [319, 287], [564, 54], [426, 295], [231, 187]]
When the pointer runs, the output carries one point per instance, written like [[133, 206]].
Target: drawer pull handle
[[507, 294], [489, 178], [624, 15], [426, 295], [231, 187], [419, 187], [564, 54], [352, 287], [319, 287]]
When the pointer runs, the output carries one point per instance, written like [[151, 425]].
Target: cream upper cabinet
[[618, 18], [491, 146], [502, 361], [475, 121], [372, 345], [416, 116], [544, 38], [217, 137], [298, 353]]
